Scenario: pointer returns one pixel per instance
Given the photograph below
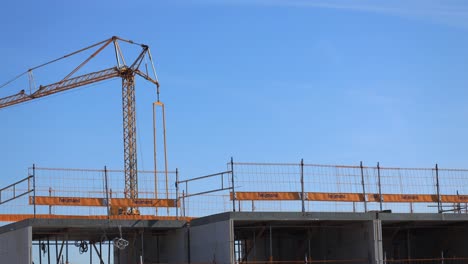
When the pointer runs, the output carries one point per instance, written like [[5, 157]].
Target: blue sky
[[332, 82]]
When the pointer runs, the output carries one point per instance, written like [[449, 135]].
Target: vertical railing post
[[439, 206], [107, 193], [233, 188], [188, 202], [302, 186], [183, 203], [177, 193], [363, 187], [380, 186], [50, 195], [34, 188], [110, 193]]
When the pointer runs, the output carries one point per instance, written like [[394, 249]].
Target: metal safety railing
[[244, 186], [313, 187], [16, 190], [88, 193], [199, 190]]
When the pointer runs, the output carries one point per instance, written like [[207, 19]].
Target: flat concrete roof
[[283, 217], [401, 217], [91, 229], [329, 216]]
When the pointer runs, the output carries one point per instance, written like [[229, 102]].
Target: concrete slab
[[90, 229], [283, 217], [402, 217]]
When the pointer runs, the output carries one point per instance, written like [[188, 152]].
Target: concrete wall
[[15, 246], [212, 243]]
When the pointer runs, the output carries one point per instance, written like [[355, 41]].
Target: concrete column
[[375, 242], [16, 246], [212, 243]]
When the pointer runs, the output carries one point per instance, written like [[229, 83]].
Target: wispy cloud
[[446, 12]]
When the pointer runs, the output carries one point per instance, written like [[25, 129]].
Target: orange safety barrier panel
[[406, 198], [403, 198], [67, 201], [288, 196], [272, 196], [82, 201], [345, 197], [454, 198], [372, 197], [348, 197], [124, 202]]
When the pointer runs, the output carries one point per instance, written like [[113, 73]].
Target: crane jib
[[61, 86]]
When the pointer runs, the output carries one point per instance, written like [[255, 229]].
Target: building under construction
[[248, 213]]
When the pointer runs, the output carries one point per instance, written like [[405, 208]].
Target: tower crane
[[121, 70]]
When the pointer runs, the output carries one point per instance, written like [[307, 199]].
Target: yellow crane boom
[[121, 70]]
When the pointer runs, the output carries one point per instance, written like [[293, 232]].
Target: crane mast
[[127, 74], [129, 134]]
